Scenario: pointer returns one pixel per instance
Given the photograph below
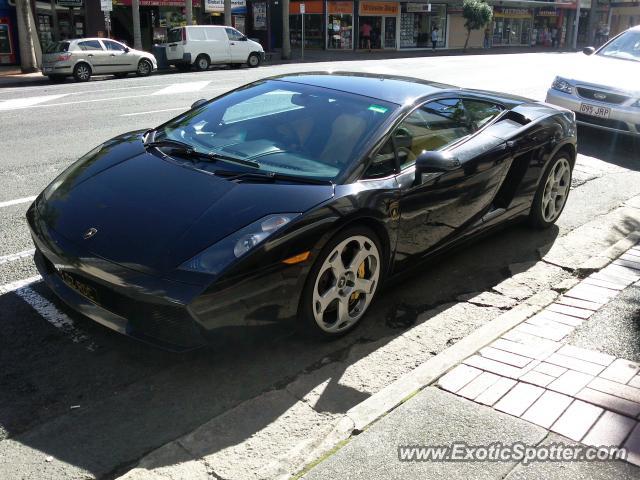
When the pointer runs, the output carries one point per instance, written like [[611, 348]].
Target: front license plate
[[595, 110], [80, 287], [47, 69]]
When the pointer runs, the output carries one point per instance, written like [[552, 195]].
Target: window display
[[340, 25], [418, 21]]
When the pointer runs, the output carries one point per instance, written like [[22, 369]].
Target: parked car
[[84, 57], [292, 199], [202, 46], [605, 91]]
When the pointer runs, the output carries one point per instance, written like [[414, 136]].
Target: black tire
[[254, 60], [307, 324], [145, 67], [202, 63], [56, 78], [540, 215], [120, 74], [82, 72]]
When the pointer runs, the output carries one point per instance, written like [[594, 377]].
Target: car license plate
[[595, 110], [80, 287], [47, 69]]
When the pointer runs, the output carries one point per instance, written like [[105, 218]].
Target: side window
[[233, 34], [432, 126], [89, 45], [384, 162], [196, 34], [480, 113], [113, 46]]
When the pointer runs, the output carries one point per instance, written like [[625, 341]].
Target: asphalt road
[[80, 401]]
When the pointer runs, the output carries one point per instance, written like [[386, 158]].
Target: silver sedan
[[604, 92], [84, 57]]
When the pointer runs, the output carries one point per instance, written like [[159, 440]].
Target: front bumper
[[170, 314], [622, 119]]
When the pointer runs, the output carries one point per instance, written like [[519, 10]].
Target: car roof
[[389, 88]]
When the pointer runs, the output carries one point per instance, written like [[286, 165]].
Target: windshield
[[283, 127], [57, 47], [626, 46]]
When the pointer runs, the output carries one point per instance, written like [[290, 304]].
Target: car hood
[[608, 72], [151, 214]]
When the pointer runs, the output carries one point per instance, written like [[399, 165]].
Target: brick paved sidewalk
[[531, 373]]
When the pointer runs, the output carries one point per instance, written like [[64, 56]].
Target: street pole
[[576, 23], [26, 40], [188, 7], [227, 13], [135, 14], [302, 10], [54, 21], [286, 38]]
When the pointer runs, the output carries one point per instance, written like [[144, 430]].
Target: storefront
[[377, 23], [340, 25], [545, 27], [512, 26], [624, 15], [214, 13], [8, 34], [313, 24], [418, 20]]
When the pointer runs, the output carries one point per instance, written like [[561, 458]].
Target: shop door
[[389, 32]]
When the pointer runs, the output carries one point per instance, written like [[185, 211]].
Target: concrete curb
[[598, 262]]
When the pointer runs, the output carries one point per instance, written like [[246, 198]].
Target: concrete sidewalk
[[569, 374]]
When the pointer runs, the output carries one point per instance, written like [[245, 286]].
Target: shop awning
[[530, 4]]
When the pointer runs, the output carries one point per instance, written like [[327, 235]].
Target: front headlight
[[218, 256], [562, 85]]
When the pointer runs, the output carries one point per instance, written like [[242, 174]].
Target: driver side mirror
[[434, 162], [127, 49], [243, 39], [198, 103], [588, 50]]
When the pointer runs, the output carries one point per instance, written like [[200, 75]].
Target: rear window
[[175, 35], [57, 47]]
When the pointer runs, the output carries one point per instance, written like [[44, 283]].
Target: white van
[[204, 45]]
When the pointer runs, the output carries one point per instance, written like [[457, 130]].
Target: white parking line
[[153, 111], [16, 256], [182, 88], [51, 314], [18, 103], [13, 286], [17, 201]]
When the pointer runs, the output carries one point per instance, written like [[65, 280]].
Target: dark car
[[292, 199]]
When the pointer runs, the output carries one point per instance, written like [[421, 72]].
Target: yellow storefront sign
[[373, 9]]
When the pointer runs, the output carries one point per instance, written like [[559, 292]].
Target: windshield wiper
[[186, 150], [270, 177]]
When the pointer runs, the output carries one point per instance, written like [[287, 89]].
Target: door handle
[[90, 55], [231, 43]]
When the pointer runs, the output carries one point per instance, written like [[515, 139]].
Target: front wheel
[[254, 60], [144, 68], [552, 193], [342, 283]]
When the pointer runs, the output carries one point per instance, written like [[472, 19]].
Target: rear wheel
[[342, 283], [82, 72], [552, 193], [144, 68], [202, 62], [254, 60]]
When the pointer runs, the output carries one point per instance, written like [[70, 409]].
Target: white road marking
[[13, 286], [18, 103], [16, 256], [153, 111], [51, 314], [17, 201], [182, 88]]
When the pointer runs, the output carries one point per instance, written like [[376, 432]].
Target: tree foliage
[[477, 15]]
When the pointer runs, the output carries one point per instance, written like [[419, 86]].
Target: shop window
[[417, 25], [234, 35], [340, 25], [90, 45], [433, 126], [480, 113]]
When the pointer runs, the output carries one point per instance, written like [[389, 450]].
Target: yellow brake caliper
[[361, 271]]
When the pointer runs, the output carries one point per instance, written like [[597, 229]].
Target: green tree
[[477, 15]]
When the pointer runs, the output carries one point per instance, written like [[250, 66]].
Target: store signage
[[218, 5], [260, 16], [547, 12], [511, 12], [70, 3], [311, 6], [418, 7], [379, 8], [159, 3], [106, 5], [302, 8], [340, 7]]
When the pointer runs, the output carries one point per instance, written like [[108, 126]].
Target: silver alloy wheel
[[82, 71], [203, 64], [346, 283], [253, 60], [556, 190], [144, 68]]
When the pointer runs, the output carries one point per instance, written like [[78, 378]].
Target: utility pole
[[286, 37], [593, 23], [26, 37], [227, 12], [54, 21], [135, 14], [188, 11], [574, 42]]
